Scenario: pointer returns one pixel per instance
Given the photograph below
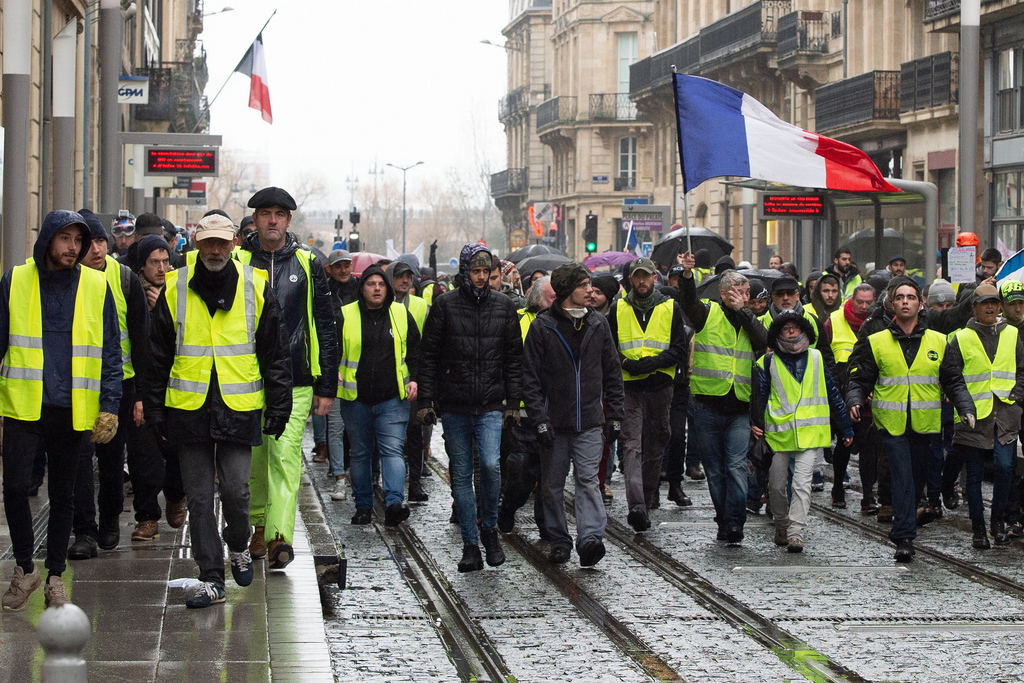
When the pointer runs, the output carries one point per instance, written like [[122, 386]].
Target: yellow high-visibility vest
[[113, 275], [418, 308], [985, 377], [899, 388], [525, 318], [797, 414], [637, 343], [843, 336], [21, 376], [225, 341], [723, 358], [352, 348]]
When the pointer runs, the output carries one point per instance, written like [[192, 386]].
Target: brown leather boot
[[320, 452], [175, 513], [146, 530], [258, 544]]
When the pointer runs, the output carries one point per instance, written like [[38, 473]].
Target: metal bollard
[[63, 633]]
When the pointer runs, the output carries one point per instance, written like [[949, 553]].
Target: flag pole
[[206, 111], [682, 164]]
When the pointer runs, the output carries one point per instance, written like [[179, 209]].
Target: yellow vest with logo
[[797, 414], [418, 308], [843, 336], [636, 343], [113, 275], [899, 387], [352, 348], [225, 342], [21, 376], [305, 258], [723, 358], [986, 377]]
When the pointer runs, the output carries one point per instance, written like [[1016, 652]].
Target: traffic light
[[353, 242], [590, 234], [353, 217]]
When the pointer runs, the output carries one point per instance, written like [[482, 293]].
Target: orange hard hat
[[967, 239]]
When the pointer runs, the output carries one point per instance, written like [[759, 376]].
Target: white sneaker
[[340, 491]]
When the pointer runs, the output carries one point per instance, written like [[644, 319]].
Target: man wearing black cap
[[648, 329], [133, 324], [572, 385], [300, 284]]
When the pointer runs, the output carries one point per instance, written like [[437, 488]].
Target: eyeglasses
[[123, 229]]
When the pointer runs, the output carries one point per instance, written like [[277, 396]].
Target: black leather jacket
[[288, 282]]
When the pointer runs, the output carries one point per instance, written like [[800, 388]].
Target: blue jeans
[[1002, 473], [319, 428], [721, 440], [461, 432], [382, 425], [909, 457]]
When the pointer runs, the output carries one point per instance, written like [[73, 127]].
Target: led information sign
[[193, 162], [794, 206]]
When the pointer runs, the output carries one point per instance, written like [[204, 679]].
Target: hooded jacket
[[471, 354], [1005, 417], [58, 289], [572, 385], [375, 379], [215, 421], [288, 282]]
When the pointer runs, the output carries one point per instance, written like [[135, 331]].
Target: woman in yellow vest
[[983, 374], [793, 405]]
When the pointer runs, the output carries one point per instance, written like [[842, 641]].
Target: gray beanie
[[940, 292]]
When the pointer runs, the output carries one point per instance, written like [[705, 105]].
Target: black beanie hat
[[96, 229], [149, 244], [567, 277], [608, 285]]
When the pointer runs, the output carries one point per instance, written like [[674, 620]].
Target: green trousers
[[276, 470]]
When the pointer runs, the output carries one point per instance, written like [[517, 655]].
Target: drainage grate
[[801, 569]]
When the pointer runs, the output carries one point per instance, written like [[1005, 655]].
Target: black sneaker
[[209, 593], [492, 547], [364, 516], [558, 555], [84, 548], [904, 550], [241, 567], [980, 540], [637, 518], [471, 560], [869, 507], [999, 536], [817, 482], [395, 514], [734, 534], [591, 553], [722, 535]]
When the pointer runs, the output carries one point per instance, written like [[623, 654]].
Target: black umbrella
[[700, 238], [862, 247], [546, 262], [708, 289], [531, 250]]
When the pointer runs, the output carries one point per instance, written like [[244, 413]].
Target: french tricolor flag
[[254, 65], [724, 132]]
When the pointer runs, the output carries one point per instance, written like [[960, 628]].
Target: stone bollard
[[63, 633]]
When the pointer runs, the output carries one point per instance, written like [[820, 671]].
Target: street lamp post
[[403, 169]]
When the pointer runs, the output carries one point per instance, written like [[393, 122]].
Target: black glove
[[612, 430], [426, 415], [157, 425], [645, 366], [510, 419], [545, 434], [274, 426], [630, 366]]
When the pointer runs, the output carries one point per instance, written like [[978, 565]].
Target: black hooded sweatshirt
[[375, 379]]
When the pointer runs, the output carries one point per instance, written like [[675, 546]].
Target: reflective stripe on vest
[[21, 376], [525, 318], [224, 342], [723, 358], [352, 349], [305, 258], [843, 336], [112, 272], [899, 387], [986, 377], [636, 343], [797, 414], [418, 308]]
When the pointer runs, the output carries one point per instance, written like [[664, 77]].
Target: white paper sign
[[962, 264]]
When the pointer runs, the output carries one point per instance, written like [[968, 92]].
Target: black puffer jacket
[[471, 354], [288, 282]]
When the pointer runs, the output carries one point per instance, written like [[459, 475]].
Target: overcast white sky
[[352, 82]]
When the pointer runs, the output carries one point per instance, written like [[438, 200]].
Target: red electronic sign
[[181, 161], [792, 206]]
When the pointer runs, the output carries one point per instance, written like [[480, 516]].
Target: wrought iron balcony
[[612, 107], [161, 105], [930, 82], [804, 32], [625, 183], [514, 102], [511, 181], [555, 111], [940, 9], [872, 96], [750, 28]]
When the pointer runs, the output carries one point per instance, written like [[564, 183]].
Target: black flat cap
[[785, 283], [272, 196]]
